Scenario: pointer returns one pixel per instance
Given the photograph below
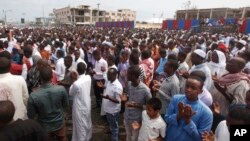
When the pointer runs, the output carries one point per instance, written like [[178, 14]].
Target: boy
[[153, 127]]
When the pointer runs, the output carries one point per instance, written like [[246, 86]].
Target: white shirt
[[206, 97], [98, 65], [221, 132], [151, 128], [60, 69], [19, 91], [78, 61], [114, 91]]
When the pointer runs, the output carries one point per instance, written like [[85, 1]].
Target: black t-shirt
[[23, 130]]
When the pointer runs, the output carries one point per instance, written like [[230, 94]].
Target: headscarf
[[220, 66]]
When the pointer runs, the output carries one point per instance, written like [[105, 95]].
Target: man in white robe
[[81, 109]]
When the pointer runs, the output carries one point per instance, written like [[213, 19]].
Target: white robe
[[81, 109]]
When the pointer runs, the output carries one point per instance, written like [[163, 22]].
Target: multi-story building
[[83, 14], [73, 15], [213, 13], [120, 15]]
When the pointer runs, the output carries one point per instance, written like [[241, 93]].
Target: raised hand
[[188, 113], [208, 136], [180, 110], [216, 108], [135, 125], [124, 97], [215, 77], [100, 84]]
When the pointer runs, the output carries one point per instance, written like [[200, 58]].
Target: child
[[153, 127]]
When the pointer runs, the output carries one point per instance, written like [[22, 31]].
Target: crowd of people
[[165, 85]]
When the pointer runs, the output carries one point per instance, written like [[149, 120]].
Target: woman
[[217, 64]]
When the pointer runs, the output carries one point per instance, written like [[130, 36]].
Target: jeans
[[113, 125], [131, 134], [98, 91]]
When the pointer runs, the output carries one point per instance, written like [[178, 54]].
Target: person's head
[[77, 54], [110, 60], [81, 68], [45, 74], [172, 57], [248, 99], [194, 85], [235, 65], [214, 46], [240, 44], [97, 55], [199, 74], [238, 115], [170, 67], [215, 57], [41, 63], [135, 43], [5, 54], [59, 54], [198, 56], [245, 55], [134, 73], [145, 54], [182, 56], [4, 65], [134, 59], [7, 112], [153, 107], [124, 56], [68, 61], [163, 52], [112, 74], [27, 51]]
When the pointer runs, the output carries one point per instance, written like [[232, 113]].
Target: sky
[[146, 9]]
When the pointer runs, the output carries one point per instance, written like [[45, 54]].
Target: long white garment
[[81, 109]]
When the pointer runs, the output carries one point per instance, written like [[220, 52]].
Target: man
[[60, 67], [112, 102], [101, 67], [169, 87], [77, 59], [18, 130], [81, 109], [197, 58], [187, 116], [138, 95], [47, 103], [18, 88], [233, 86]]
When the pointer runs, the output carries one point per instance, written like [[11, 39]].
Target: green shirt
[[48, 103]]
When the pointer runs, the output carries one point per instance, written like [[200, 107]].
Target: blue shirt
[[160, 68], [179, 130]]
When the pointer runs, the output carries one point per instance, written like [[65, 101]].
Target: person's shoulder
[[179, 97]]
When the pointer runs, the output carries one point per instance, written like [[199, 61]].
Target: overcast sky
[[145, 8]]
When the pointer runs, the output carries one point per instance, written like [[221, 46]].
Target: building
[[213, 13], [120, 15], [83, 14], [73, 15]]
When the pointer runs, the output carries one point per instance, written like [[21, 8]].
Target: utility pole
[[98, 4], [153, 17], [5, 16], [43, 16]]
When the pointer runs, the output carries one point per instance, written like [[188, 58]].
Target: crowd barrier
[[187, 24]]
